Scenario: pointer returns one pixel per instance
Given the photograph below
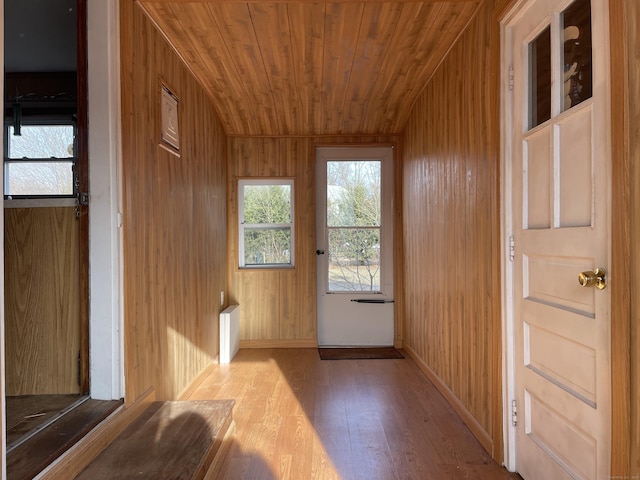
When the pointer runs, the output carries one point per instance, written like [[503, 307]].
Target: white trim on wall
[[105, 220]]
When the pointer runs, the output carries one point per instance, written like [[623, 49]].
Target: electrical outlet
[[221, 298]]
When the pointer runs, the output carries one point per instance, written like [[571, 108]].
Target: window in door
[[39, 161], [354, 225]]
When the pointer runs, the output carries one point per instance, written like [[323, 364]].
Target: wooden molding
[[480, 433], [295, 343], [86, 450], [195, 383], [221, 453]]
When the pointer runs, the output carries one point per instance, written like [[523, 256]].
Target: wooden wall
[[633, 29], [451, 205], [42, 301], [279, 305], [451, 230], [625, 57], [175, 234]]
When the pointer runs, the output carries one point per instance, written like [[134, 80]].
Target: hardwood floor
[[299, 417]]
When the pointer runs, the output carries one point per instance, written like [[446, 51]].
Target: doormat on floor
[[358, 353]]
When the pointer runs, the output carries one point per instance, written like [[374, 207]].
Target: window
[[354, 225], [39, 161], [266, 223]]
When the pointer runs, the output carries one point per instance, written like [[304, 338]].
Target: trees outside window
[[353, 222], [266, 222]]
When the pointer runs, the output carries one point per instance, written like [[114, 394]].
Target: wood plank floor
[[25, 413], [170, 440], [299, 417], [29, 458]]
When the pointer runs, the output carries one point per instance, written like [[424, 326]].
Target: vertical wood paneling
[[633, 66], [42, 295], [451, 227], [175, 237], [279, 305], [621, 248]]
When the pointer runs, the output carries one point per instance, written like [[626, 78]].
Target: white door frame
[[106, 336], [506, 233], [381, 334]]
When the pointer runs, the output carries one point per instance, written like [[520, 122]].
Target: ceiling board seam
[[323, 66], [382, 61], [353, 62], [266, 72], [295, 76], [226, 46]]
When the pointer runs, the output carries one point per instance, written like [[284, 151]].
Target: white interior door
[[355, 246], [559, 155]]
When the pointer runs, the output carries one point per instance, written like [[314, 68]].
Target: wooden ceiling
[[301, 68]]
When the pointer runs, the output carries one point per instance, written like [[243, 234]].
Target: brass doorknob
[[597, 278]]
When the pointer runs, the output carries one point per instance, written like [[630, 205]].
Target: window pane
[[540, 79], [267, 246], [353, 194], [354, 259], [576, 21], [267, 204], [42, 141], [39, 178]]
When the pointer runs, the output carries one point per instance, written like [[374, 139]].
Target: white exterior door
[[355, 246], [558, 151]]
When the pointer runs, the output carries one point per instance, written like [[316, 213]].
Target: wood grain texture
[[280, 304], [299, 417], [82, 169], [29, 458], [621, 267], [74, 460], [42, 329], [175, 236], [451, 227], [633, 66], [170, 439], [312, 68]]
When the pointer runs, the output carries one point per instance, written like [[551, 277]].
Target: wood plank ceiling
[[286, 68]]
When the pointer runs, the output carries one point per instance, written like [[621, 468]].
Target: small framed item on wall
[[170, 126]]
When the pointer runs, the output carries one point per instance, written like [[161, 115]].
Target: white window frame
[[265, 181]]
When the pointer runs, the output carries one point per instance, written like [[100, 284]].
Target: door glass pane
[[576, 54], [540, 79], [354, 259], [353, 222], [353, 194]]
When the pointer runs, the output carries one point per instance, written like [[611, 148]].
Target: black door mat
[[357, 353]]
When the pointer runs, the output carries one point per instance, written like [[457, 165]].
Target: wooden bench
[[170, 440]]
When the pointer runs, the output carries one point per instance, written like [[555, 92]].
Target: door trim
[[387, 155], [105, 234], [506, 232]]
